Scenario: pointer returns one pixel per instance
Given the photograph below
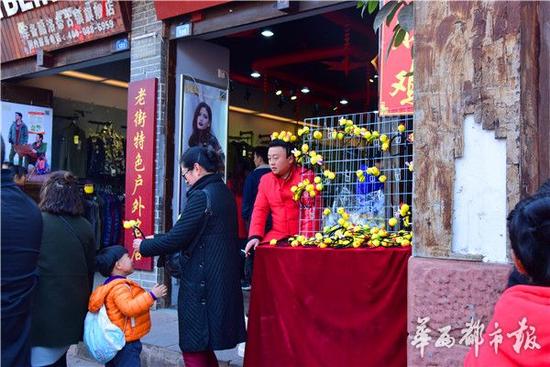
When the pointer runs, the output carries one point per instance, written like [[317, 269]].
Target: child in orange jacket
[[127, 303]]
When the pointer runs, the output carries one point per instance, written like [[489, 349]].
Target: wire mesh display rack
[[367, 200]]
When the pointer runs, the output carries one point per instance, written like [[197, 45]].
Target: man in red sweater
[[275, 197]]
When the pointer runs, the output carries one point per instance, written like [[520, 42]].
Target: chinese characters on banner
[[58, 25], [140, 161], [396, 87]]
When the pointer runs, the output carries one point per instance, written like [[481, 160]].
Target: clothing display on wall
[[105, 212], [106, 153], [72, 150]]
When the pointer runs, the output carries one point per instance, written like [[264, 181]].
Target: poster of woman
[[204, 117]]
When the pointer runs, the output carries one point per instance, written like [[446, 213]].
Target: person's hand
[[34, 151], [253, 243], [150, 237], [137, 244], [159, 290]]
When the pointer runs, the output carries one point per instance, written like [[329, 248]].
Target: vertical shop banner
[[140, 162], [395, 74], [35, 147]]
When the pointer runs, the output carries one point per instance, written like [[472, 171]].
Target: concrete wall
[[479, 195], [468, 163]]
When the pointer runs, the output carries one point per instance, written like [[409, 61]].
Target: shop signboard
[[140, 162], [168, 9], [37, 141], [396, 88], [56, 25]]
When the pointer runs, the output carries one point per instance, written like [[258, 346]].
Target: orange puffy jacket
[[127, 306]]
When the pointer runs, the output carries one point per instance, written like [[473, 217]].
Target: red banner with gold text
[[140, 162], [395, 70]]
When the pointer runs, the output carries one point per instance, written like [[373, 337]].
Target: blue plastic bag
[[102, 338]]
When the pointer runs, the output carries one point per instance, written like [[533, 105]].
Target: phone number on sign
[[98, 27]]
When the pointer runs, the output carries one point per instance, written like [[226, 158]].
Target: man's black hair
[[283, 144], [261, 151], [20, 114]]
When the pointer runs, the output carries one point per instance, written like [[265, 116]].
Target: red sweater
[[516, 303], [275, 197]]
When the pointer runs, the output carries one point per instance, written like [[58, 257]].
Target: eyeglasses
[[185, 174]]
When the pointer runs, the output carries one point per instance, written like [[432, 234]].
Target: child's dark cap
[[107, 257]]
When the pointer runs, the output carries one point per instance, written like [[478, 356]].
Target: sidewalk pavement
[[160, 346]]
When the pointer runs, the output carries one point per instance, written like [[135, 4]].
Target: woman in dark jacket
[[210, 303], [65, 268]]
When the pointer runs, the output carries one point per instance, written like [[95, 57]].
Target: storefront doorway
[[84, 130], [271, 77]]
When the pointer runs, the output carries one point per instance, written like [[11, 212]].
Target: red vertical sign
[[395, 74], [140, 161]]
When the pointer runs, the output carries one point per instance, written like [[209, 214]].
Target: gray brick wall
[[148, 59]]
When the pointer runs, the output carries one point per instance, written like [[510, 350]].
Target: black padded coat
[[210, 301]]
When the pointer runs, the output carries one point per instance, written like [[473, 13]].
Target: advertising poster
[[204, 120], [27, 133]]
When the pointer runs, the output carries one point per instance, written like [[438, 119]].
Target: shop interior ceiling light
[[84, 76], [94, 78], [293, 98], [375, 76], [371, 80], [344, 101], [115, 83], [305, 90], [267, 33], [279, 92], [241, 110], [255, 74]]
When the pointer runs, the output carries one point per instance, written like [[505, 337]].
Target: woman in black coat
[[210, 302], [65, 269]]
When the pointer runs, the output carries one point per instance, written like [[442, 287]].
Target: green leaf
[[382, 14], [392, 13], [399, 37], [390, 45], [372, 5], [360, 4], [406, 17]]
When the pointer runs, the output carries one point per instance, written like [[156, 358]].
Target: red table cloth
[[313, 307]]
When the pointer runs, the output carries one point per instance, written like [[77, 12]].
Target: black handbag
[[175, 263]]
